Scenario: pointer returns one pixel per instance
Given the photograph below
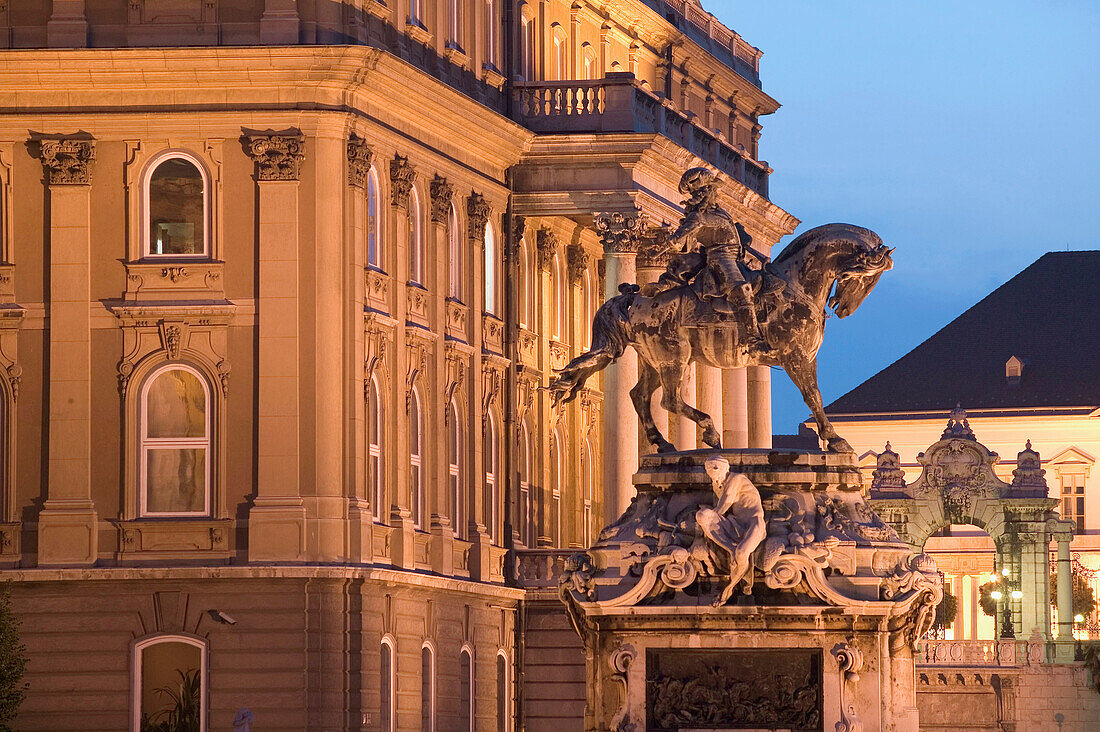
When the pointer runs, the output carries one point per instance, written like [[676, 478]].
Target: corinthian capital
[[360, 157], [402, 175], [68, 162], [546, 245], [619, 232], [442, 195], [477, 216], [277, 156]]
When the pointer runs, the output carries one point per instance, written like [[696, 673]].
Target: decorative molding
[[546, 245], [579, 260], [620, 233], [360, 158], [67, 161], [653, 249], [278, 156], [477, 216], [442, 195], [418, 364], [456, 376], [171, 338], [850, 661], [402, 175]]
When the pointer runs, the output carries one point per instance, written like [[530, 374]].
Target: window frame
[[416, 461], [491, 485], [468, 651], [490, 270], [138, 648], [417, 253], [1076, 494], [504, 683], [376, 478], [176, 442], [375, 242], [456, 446], [388, 641], [146, 252], [454, 256], [433, 694]]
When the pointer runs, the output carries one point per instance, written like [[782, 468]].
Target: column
[[619, 236], [277, 521], [68, 524], [442, 524], [685, 430], [487, 387], [360, 518], [279, 23], [402, 177], [708, 388], [1064, 649], [759, 380], [1034, 582], [650, 268], [735, 408]]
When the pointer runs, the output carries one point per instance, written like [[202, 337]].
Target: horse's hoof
[[663, 447], [839, 444], [712, 438]]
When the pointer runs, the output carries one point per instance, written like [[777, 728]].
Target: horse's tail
[[609, 340]]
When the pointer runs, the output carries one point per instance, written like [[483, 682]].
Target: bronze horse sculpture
[[835, 265]]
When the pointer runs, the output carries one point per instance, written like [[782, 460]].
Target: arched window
[[454, 260], [387, 672], [454, 24], [559, 59], [176, 208], [490, 271], [455, 448], [374, 222], [416, 240], [557, 480], [416, 464], [504, 694], [466, 690], [589, 477], [558, 298], [591, 62], [527, 49], [175, 443], [491, 32], [427, 688], [526, 319], [587, 300], [525, 518], [375, 466], [416, 12], [169, 683], [491, 496]]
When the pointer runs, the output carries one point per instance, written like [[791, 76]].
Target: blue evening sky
[[964, 133]]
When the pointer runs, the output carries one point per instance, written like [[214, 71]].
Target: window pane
[[171, 686], [176, 209], [385, 703], [175, 480], [427, 697], [502, 695], [176, 406], [466, 694]]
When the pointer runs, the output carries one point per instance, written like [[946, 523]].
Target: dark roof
[[1048, 315]]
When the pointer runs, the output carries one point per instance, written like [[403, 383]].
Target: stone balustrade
[[1002, 653], [540, 568], [619, 103]]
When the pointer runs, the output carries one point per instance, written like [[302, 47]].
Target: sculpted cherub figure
[[735, 524]]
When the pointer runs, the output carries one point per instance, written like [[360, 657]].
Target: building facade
[[282, 286], [1022, 363]]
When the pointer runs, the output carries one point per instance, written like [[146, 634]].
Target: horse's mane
[[806, 238]]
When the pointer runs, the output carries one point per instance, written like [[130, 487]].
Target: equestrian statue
[[723, 304]]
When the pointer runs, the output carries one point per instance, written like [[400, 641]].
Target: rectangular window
[[1073, 499]]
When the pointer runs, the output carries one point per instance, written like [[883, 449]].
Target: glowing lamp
[[1016, 594], [996, 594], [1078, 618], [1005, 571]]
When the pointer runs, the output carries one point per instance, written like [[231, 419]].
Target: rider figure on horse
[[716, 267]]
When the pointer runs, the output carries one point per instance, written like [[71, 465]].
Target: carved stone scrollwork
[[850, 660], [619, 232], [579, 261], [477, 216], [519, 228], [15, 378], [1029, 472], [958, 426], [224, 367], [546, 245], [402, 175], [171, 338], [442, 195], [620, 662], [360, 157], [888, 475], [456, 375], [376, 355], [492, 383], [68, 162], [418, 363], [278, 157], [653, 249]]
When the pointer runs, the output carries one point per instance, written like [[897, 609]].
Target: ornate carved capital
[[277, 156], [546, 243], [360, 157], [579, 260], [653, 249], [477, 216], [442, 195], [619, 232], [68, 162], [402, 175]]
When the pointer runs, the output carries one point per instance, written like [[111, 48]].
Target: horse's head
[[859, 273]]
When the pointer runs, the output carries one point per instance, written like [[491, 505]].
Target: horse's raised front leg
[[671, 377], [803, 373], [642, 396]]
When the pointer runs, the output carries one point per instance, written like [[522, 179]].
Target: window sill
[[491, 76], [174, 538], [456, 56], [418, 32], [175, 279]]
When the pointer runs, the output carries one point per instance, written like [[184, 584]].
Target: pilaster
[[68, 25], [68, 524], [442, 524], [485, 390], [277, 519]]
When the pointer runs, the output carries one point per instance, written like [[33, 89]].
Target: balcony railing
[[618, 103], [539, 569], [1003, 653]]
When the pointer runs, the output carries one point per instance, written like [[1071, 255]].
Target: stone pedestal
[[817, 634]]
